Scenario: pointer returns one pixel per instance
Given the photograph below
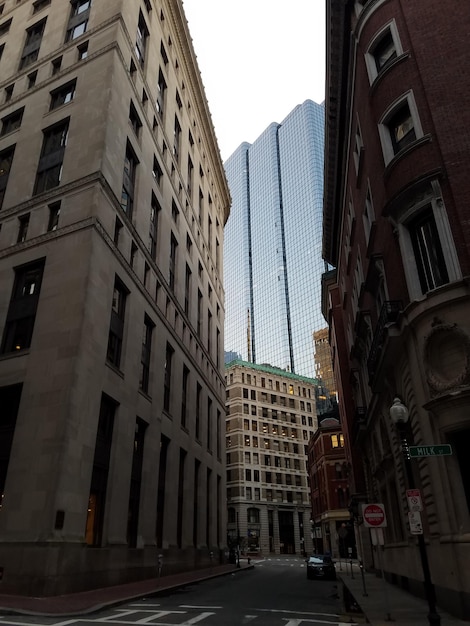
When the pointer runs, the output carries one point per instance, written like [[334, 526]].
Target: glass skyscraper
[[273, 243]]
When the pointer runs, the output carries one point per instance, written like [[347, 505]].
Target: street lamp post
[[400, 416]]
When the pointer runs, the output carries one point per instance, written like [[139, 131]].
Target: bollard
[[160, 564]]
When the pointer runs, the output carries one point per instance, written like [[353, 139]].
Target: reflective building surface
[[273, 238]]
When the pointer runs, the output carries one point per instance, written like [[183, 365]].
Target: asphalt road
[[275, 593]]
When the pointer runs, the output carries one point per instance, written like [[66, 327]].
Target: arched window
[[253, 516]]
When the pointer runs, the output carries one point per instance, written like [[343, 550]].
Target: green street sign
[[440, 450]]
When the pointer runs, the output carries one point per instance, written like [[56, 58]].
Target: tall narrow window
[[10, 397], [190, 176], [167, 378], [155, 209], [32, 44], [116, 327], [6, 160], [199, 312], [54, 214], [184, 396], [157, 171], [427, 250], [384, 50], [78, 20], [209, 332], [181, 499], [209, 424], [23, 225], [161, 90], [176, 139], [172, 269], [146, 351], [198, 411], [99, 477], [130, 167], [187, 290], [401, 127], [24, 301], [136, 481], [49, 171], [141, 40], [134, 119]]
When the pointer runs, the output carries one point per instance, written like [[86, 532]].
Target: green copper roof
[[269, 369]]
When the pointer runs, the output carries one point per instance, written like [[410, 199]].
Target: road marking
[[298, 622], [249, 618], [198, 606], [291, 611], [198, 618]]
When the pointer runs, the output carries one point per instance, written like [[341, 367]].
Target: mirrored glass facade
[[273, 243]]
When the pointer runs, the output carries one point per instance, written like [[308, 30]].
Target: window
[[23, 225], [134, 119], [130, 167], [400, 127], [174, 212], [163, 54], [78, 20], [187, 290], [2, 48], [198, 413], [5, 27], [82, 50], [199, 313], [12, 121], [172, 266], [21, 314], [161, 89], [56, 65], [6, 160], [146, 350], [54, 213], [141, 40], [337, 441], [155, 209], [32, 79], [62, 95], [167, 377], [157, 171], [49, 171], [368, 216], [427, 250], [384, 50], [38, 5], [116, 326], [32, 44], [176, 139], [184, 396]]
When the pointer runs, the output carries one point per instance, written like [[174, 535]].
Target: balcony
[[388, 315]]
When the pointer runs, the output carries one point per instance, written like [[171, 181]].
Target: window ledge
[[12, 355], [403, 153], [385, 70], [115, 369]]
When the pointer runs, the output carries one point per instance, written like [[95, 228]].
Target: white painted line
[[195, 620], [198, 606], [298, 612], [249, 618]]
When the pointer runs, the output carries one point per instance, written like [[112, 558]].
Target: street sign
[[416, 526], [374, 515], [414, 499], [438, 450]]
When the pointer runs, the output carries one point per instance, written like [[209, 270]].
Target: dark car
[[321, 566]]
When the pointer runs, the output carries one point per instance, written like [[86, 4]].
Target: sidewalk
[[384, 601], [86, 602]]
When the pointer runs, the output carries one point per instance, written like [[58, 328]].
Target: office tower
[[271, 416], [273, 240], [396, 230], [112, 392]]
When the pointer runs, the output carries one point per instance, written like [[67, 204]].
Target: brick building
[[113, 201], [397, 232], [328, 472]]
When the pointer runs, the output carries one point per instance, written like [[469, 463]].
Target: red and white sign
[[374, 515], [414, 500]]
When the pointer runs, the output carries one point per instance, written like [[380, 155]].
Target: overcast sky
[[258, 60]]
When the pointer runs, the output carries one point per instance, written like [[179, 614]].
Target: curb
[[6, 611]]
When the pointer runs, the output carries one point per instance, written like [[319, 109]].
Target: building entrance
[[286, 532]]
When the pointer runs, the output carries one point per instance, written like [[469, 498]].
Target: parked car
[[321, 566]]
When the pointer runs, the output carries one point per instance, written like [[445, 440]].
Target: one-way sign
[[439, 450]]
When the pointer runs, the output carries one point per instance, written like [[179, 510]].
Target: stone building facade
[[113, 201], [271, 415], [397, 231]]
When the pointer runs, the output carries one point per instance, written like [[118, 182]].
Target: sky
[[258, 59]]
